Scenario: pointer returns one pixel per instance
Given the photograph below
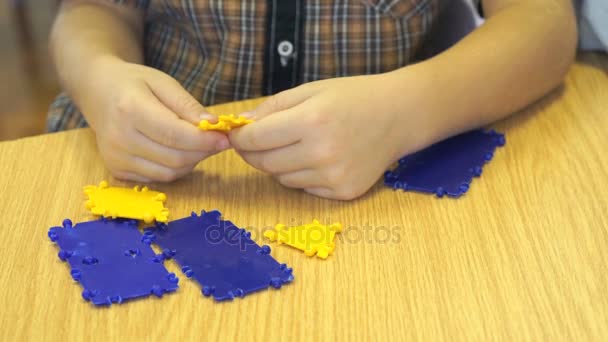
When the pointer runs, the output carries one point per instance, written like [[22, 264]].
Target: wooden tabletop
[[522, 256]]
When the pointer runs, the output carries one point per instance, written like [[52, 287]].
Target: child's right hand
[[145, 122]]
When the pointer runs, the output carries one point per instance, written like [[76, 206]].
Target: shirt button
[[285, 48]]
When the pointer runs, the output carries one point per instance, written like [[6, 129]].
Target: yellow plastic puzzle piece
[[313, 238], [224, 123], [140, 204]]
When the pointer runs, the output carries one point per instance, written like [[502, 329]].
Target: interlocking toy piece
[[219, 256], [447, 167], [144, 204], [111, 261], [313, 238], [224, 123]]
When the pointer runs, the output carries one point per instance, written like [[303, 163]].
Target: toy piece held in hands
[[224, 123], [139, 204], [313, 238]]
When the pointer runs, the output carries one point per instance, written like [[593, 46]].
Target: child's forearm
[[522, 51], [85, 32]]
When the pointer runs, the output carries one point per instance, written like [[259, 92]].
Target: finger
[[163, 155], [145, 168], [129, 176], [321, 192], [283, 100], [177, 99], [343, 194], [281, 160], [277, 130], [161, 125], [157, 172], [301, 179]]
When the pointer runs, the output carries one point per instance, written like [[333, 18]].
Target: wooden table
[[522, 256]]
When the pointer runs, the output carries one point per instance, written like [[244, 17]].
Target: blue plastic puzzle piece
[[111, 261], [447, 167], [219, 256]]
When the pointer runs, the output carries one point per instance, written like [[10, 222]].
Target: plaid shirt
[[224, 50]]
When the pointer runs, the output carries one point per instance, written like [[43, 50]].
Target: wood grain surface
[[522, 256]]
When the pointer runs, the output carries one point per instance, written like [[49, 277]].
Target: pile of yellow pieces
[[225, 123], [138, 204], [313, 238]]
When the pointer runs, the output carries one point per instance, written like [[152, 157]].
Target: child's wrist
[[100, 65], [414, 104], [90, 85]]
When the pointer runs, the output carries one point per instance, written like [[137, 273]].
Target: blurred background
[[27, 80]]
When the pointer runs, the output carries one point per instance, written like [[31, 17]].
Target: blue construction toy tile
[[447, 167], [111, 261], [219, 256]]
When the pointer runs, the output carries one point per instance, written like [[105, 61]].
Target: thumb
[[171, 93], [282, 101]]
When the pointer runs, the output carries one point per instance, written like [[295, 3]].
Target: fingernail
[[222, 145], [248, 115], [207, 116]]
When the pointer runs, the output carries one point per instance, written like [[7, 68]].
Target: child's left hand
[[334, 138]]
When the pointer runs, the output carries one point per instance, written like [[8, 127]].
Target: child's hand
[[333, 138], [145, 123]]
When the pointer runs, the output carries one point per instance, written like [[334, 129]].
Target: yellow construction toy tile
[[133, 203], [313, 238], [224, 123]]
